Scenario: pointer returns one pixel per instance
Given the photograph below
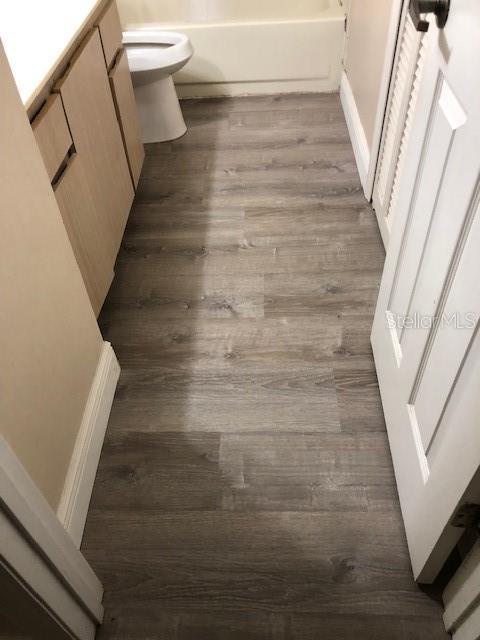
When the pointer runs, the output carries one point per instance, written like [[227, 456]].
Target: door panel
[[451, 345], [421, 211], [425, 330]]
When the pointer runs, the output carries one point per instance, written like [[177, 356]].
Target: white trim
[[75, 499], [35, 547], [356, 131], [462, 599], [25, 564], [469, 627]]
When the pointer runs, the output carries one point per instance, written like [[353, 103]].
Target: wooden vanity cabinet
[[89, 136]]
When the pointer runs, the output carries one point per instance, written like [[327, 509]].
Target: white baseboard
[[233, 89], [75, 499], [356, 131]]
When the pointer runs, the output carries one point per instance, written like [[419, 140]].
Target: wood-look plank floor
[[245, 489]]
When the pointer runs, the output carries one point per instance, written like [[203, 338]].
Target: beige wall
[[198, 11], [367, 35], [49, 339]]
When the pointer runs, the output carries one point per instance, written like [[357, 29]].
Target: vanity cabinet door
[[97, 139], [88, 234], [122, 91], [110, 33]]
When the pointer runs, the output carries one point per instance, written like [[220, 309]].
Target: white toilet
[[153, 56]]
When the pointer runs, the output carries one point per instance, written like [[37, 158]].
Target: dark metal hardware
[[440, 8], [467, 516]]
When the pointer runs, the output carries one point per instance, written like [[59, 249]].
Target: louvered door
[[406, 77]]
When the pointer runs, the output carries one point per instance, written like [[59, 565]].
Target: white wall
[[201, 11]]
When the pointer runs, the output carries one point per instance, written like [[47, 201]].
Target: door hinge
[[345, 24], [467, 516]]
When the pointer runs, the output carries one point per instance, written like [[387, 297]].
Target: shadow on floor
[[245, 489]]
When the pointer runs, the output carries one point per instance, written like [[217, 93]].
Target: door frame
[[41, 556], [366, 158], [462, 598]]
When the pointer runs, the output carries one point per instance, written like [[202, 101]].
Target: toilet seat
[[173, 49]]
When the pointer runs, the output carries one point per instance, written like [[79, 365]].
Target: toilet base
[[161, 117]]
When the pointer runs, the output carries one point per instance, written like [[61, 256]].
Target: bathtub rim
[[335, 11]]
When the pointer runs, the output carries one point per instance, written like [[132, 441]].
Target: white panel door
[[425, 338]]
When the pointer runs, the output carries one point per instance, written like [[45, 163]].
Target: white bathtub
[[250, 46]]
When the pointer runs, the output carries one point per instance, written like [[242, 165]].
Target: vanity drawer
[[110, 33], [52, 134]]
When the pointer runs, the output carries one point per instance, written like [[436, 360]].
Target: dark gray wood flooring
[[245, 489]]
